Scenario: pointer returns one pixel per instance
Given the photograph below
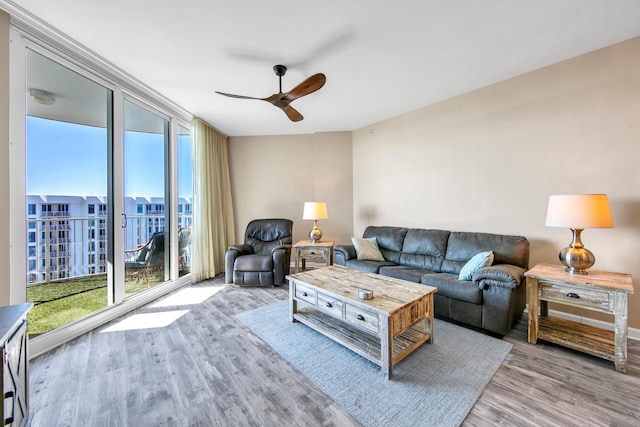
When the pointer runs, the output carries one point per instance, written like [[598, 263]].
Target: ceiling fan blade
[[308, 86], [292, 113], [283, 100], [238, 96]]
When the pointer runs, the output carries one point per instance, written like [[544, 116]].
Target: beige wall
[[488, 160], [272, 177], [5, 181]]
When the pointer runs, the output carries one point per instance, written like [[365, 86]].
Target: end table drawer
[[362, 318], [305, 294], [330, 305], [313, 253], [571, 295]]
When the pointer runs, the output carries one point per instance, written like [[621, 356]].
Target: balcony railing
[[79, 254]]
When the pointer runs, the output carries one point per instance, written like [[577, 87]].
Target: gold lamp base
[[576, 257]]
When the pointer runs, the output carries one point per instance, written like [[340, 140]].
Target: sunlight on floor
[[146, 321], [188, 296]]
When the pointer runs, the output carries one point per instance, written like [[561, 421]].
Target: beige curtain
[[213, 227]]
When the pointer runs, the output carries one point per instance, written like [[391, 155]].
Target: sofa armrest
[[343, 253], [502, 275], [281, 263], [281, 248], [241, 249], [232, 253]]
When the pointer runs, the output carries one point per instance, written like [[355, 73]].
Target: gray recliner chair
[[265, 256]]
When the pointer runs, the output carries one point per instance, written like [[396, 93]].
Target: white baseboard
[[634, 333]]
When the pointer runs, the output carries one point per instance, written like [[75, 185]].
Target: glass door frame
[[121, 86], [171, 237]]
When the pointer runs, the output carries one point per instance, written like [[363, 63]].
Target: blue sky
[[70, 159]]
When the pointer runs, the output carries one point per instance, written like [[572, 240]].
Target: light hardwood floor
[[208, 369]]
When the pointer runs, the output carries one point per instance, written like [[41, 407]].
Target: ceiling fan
[[283, 100]]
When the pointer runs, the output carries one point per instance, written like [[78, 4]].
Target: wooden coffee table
[[384, 329]]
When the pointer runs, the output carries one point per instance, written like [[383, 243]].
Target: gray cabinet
[[14, 381]]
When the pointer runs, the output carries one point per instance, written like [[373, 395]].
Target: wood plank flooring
[[208, 369]]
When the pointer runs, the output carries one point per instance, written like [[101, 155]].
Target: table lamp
[[315, 211], [577, 212]]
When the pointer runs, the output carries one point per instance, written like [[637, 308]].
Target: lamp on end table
[[315, 211], [577, 212]]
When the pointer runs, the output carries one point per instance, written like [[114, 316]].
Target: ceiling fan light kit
[[284, 100]]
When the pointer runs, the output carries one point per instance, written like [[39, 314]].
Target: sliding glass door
[[146, 224], [107, 192], [67, 141], [185, 200]]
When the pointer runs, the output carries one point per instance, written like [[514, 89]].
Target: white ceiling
[[381, 58]]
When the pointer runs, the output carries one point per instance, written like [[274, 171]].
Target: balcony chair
[[146, 259], [184, 235], [265, 256]]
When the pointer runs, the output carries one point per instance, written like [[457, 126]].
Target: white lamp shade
[[579, 211], [315, 210]]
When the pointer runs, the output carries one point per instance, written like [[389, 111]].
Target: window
[[73, 156], [146, 169]]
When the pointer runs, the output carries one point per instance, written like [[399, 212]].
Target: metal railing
[[81, 248]]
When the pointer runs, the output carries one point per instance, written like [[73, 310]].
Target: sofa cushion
[[449, 286], [403, 272], [483, 259], [424, 249], [390, 240], [254, 263], [461, 246], [367, 249]]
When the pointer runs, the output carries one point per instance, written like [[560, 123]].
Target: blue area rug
[[437, 385]]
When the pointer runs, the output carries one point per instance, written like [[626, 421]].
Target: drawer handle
[[329, 305], [10, 395], [304, 294], [573, 295], [312, 253], [360, 317]]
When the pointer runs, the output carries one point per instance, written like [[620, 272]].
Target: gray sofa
[[493, 299]]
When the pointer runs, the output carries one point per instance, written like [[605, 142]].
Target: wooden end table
[[600, 291], [306, 249]]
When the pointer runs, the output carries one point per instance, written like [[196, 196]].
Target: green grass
[[61, 302], [58, 303]]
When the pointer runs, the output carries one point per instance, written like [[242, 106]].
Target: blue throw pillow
[[483, 259]]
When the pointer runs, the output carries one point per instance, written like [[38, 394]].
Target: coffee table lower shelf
[[360, 342]]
